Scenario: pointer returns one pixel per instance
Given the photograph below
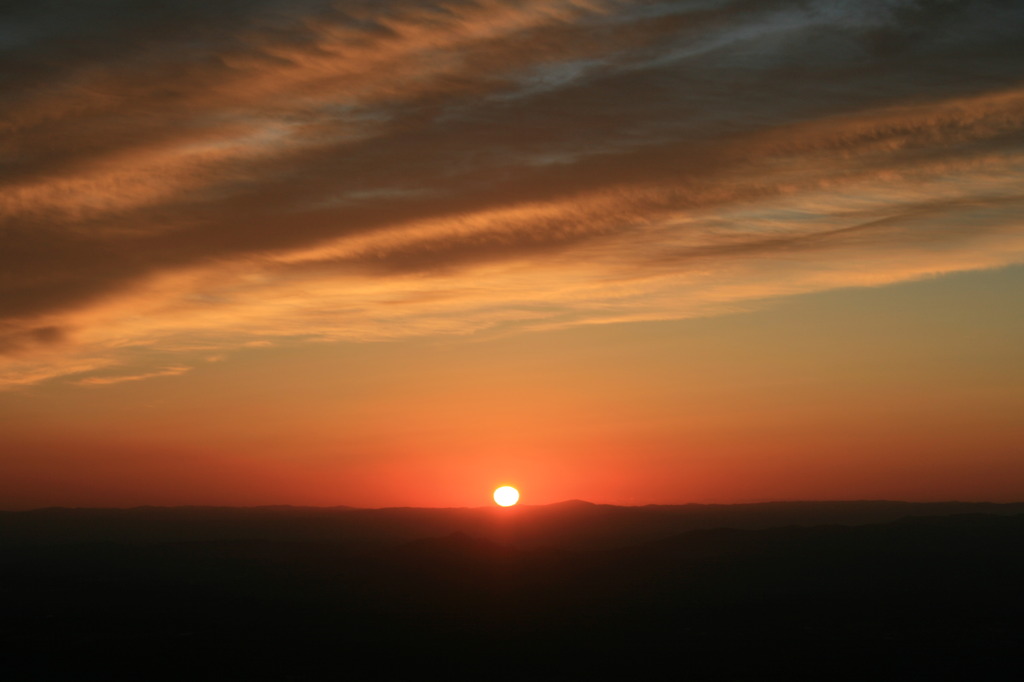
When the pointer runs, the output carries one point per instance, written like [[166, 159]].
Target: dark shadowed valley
[[831, 590]]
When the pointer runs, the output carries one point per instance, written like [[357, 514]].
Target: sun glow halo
[[506, 496]]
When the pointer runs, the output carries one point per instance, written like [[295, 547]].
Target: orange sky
[[400, 253]]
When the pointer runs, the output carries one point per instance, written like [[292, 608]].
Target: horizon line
[[340, 507]]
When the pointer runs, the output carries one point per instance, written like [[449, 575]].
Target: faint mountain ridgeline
[[571, 525]]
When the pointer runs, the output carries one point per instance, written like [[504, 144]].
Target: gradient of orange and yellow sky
[[909, 392], [399, 253]]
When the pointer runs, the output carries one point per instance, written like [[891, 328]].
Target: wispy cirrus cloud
[[213, 177], [118, 379]]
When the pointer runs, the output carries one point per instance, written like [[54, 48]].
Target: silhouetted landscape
[[814, 590]]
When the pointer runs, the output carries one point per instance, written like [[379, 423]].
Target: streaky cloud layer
[[193, 178]]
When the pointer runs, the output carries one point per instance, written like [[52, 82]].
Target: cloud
[[188, 179], [105, 380]]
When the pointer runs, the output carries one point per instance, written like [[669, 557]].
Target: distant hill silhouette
[[570, 525], [826, 591]]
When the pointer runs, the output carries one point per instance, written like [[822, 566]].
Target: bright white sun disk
[[506, 496]]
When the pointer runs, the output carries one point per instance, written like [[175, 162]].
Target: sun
[[506, 496]]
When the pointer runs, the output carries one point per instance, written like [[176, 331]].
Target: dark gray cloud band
[[227, 172]]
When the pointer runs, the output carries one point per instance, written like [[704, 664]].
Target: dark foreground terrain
[[824, 591]]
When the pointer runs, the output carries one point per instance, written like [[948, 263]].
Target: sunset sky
[[398, 253]]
